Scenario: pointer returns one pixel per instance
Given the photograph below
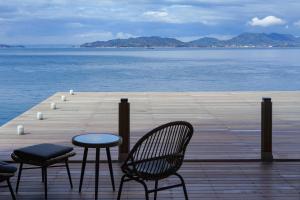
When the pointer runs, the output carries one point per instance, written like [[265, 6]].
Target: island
[[244, 40]]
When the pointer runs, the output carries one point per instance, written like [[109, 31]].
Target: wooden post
[[266, 130], [124, 128]]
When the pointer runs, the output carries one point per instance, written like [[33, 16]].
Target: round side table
[[97, 141]]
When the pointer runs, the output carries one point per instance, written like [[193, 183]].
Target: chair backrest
[[168, 141]]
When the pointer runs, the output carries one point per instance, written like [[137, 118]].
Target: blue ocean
[[29, 75]]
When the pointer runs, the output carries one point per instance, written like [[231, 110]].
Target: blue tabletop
[[97, 140]]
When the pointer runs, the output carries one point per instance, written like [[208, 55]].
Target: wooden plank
[[221, 180], [227, 124]]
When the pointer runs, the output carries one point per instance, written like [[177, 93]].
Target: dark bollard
[[124, 128], [266, 130]]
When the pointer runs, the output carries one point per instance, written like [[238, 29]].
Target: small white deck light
[[39, 115], [20, 129], [71, 92], [63, 98], [53, 106]]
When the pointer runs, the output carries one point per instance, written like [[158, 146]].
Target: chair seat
[[7, 168], [151, 168], [42, 152]]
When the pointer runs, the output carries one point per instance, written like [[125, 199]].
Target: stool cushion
[[7, 168], [42, 152]]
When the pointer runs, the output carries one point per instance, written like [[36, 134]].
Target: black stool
[[43, 156], [6, 172]]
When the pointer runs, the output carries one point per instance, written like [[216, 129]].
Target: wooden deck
[[227, 124], [206, 181]]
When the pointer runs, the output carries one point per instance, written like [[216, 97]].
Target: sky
[[79, 21]]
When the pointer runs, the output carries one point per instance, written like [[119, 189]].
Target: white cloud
[[267, 21], [59, 21], [156, 13], [180, 14], [94, 36], [160, 16], [79, 38], [122, 35]]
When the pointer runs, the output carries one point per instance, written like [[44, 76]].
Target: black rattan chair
[[43, 156], [6, 172], [158, 155]]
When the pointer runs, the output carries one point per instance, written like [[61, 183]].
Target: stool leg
[[10, 189], [83, 167], [110, 168], [45, 182], [19, 177], [69, 173], [97, 172]]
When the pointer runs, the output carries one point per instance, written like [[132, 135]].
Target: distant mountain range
[[250, 40], [10, 46], [153, 41]]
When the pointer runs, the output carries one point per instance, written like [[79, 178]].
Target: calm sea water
[[27, 76]]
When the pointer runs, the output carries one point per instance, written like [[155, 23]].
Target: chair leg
[[183, 186], [10, 189], [146, 190], [139, 181], [19, 176], [45, 182], [69, 173], [121, 187], [155, 192], [110, 168]]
